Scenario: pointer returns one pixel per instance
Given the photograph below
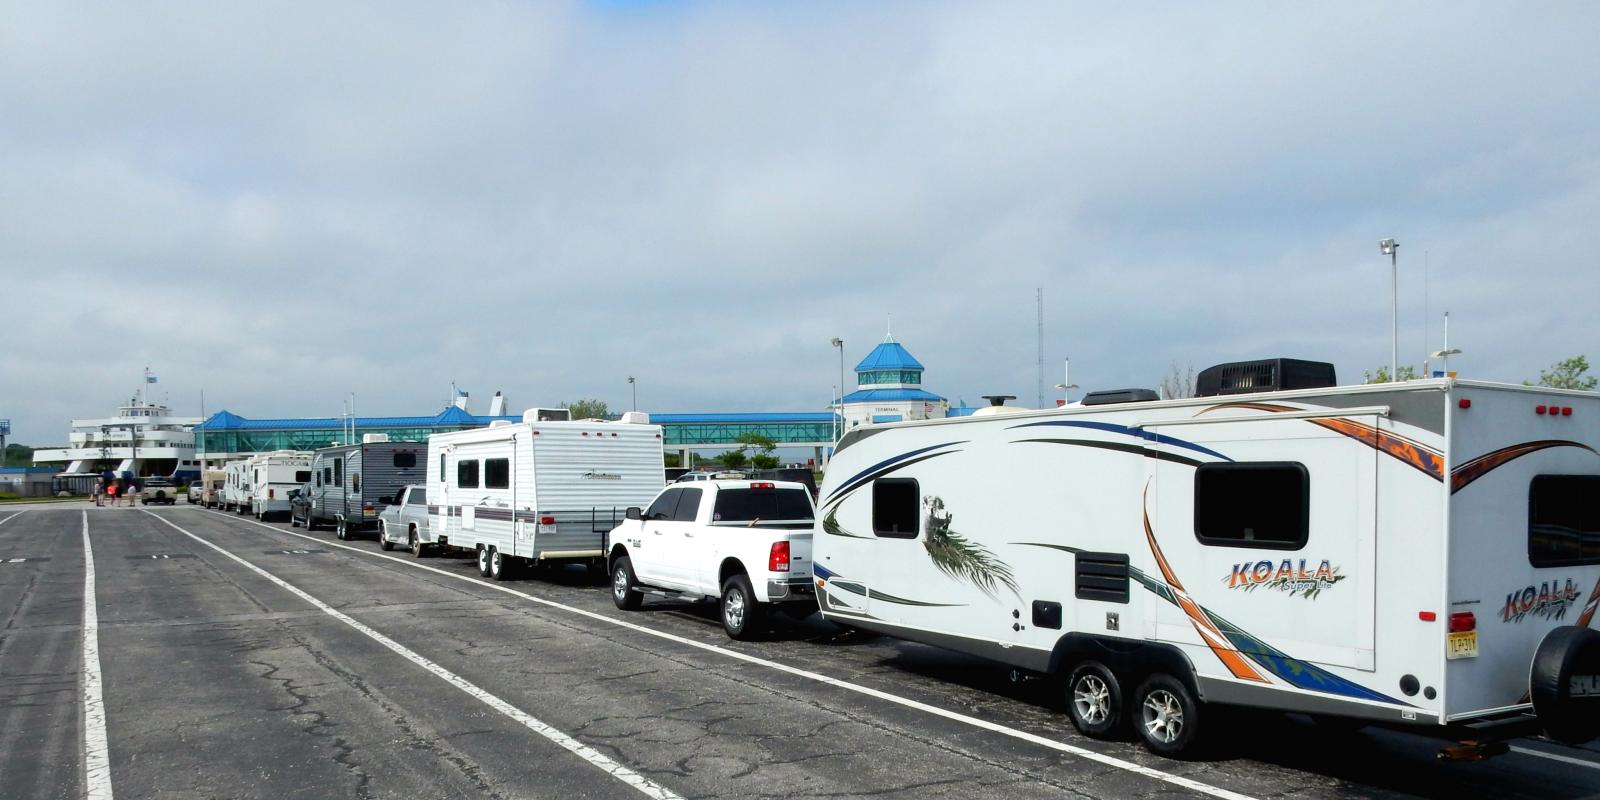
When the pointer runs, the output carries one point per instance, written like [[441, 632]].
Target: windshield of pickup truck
[[746, 505]]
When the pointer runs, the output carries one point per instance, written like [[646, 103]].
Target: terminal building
[[889, 389]]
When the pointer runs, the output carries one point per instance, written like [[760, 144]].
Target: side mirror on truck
[[634, 513]]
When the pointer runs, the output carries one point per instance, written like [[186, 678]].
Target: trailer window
[[497, 473], [1563, 520], [1263, 504], [467, 474], [338, 472], [355, 482], [896, 507], [746, 505], [441, 467], [405, 460], [302, 476]]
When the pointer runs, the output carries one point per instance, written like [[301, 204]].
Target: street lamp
[[1391, 248], [1448, 351], [839, 343], [634, 387], [1066, 385]]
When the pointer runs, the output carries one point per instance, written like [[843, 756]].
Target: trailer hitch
[[1473, 750]]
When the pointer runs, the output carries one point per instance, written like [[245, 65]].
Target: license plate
[[1462, 645], [369, 513]]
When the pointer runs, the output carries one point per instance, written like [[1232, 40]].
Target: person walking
[[111, 492], [94, 492], [131, 492]]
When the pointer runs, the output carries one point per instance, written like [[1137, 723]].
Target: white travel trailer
[[539, 490], [1422, 554], [272, 477], [236, 485]]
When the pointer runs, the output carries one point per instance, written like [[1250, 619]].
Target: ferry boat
[[143, 439]]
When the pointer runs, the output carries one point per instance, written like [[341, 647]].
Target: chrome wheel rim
[[494, 563], [483, 559], [733, 609], [1163, 716], [1092, 698], [619, 584]]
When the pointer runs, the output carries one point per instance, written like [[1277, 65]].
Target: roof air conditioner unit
[[374, 438], [635, 418], [1265, 375]]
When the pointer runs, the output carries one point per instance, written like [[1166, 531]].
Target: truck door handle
[[688, 535]]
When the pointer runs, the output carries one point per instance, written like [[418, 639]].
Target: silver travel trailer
[[540, 490], [1422, 554], [351, 484]]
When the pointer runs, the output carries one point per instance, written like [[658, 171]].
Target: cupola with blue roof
[[889, 388]]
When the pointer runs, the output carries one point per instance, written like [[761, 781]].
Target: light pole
[[634, 387], [1066, 385], [1391, 248], [839, 344], [1448, 351]]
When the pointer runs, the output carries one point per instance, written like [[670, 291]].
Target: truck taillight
[[778, 558], [1463, 621], [271, 493], [761, 486]]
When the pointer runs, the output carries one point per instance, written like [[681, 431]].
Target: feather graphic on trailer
[[961, 558]]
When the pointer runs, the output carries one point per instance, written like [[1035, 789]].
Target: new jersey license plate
[[1462, 645]]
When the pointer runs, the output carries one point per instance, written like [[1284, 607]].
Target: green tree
[[588, 408], [1569, 374], [763, 459], [1407, 373], [732, 459], [18, 455]]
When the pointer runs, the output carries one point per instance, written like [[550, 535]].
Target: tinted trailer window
[[749, 505]]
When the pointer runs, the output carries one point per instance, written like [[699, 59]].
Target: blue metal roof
[[747, 418], [888, 355], [450, 417], [26, 470], [891, 396]]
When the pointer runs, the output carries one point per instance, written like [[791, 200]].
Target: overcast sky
[[284, 203]]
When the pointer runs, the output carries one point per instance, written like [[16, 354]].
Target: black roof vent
[[1108, 396], [999, 399], [1265, 375]]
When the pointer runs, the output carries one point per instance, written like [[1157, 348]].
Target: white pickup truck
[[745, 542]]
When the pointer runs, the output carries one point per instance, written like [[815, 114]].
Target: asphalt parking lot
[[227, 658]]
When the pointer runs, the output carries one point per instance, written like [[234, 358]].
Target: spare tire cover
[[1565, 684]]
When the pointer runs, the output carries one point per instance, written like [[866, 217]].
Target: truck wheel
[[418, 549], [383, 540], [311, 522], [499, 565], [622, 592], [1167, 715], [741, 614], [483, 561], [1094, 700]]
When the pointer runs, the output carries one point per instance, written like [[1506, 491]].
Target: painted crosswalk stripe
[[640, 783], [96, 751]]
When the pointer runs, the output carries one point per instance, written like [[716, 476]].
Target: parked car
[[300, 506], [196, 492], [747, 543], [157, 490], [404, 521]]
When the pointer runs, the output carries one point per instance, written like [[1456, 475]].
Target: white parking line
[[1553, 757], [96, 751], [13, 516], [644, 785], [1063, 747]]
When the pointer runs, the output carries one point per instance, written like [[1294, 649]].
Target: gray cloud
[[287, 203]]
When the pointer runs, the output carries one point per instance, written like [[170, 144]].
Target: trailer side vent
[[1102, 576], [1265, 375], [1108, 396]]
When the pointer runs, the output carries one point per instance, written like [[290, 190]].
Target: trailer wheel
[[500, 565], [741, 614], [483, 561], [1167, 715], [1094, 700], [341, 531], [622, 592], [418, 549]]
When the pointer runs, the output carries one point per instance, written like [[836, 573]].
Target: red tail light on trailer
[[271, 493], [1463, 621], [547, 520], [778, 558]]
